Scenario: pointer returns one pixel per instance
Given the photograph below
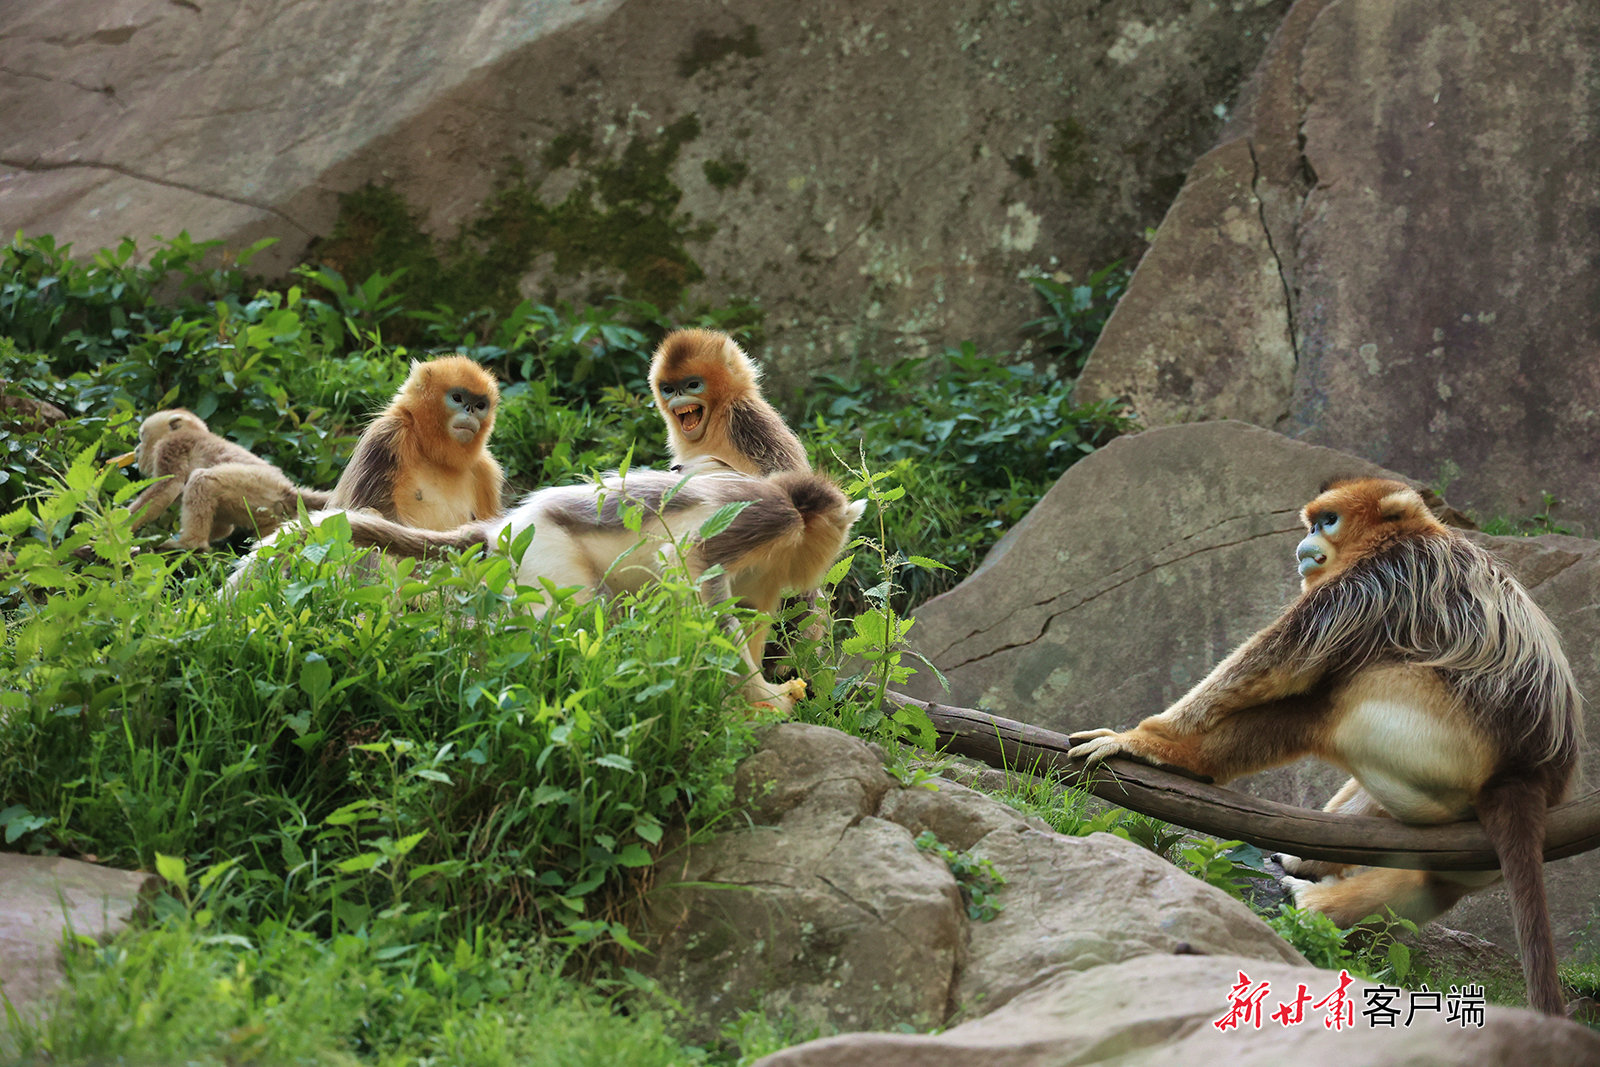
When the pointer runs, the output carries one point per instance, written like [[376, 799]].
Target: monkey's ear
[[174, 422]]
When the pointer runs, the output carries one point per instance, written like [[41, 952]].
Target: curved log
[[1167, 794]]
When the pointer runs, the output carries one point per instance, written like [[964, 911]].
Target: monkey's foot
[[1300, 890], [1312, 869], [781, 697]]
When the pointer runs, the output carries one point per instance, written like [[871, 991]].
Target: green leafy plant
[[1370, 950], [975, 876], [1076, 313], [1228, 865], [972, 443], [1541, 522]]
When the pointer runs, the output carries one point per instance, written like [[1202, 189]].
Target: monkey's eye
[[455, 398], [693, 385], [1330, 522], [666, 390]]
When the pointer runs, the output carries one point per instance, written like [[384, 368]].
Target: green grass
[[403, 814], [402, 820], [271, 994]]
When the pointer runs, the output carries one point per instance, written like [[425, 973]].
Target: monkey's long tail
[[368, 530], [816, 496], [374, 531], [1512, 812]]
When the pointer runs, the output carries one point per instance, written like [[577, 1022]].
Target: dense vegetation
[[399, 819], [400, 822]]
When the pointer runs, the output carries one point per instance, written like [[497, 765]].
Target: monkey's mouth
[[1311, 560], [689, 419]]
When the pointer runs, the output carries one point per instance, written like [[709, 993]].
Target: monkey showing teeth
[[709, 394], [1413, 660]]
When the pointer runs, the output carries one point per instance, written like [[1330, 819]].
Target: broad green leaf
[[173, 869], [722, 518], [13, 523], [837, 572], [315, 676], [409, 842]]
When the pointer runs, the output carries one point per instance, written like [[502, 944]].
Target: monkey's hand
[[1097, 746]]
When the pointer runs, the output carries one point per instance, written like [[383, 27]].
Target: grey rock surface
[[1162, 1010], [825, 910], [879, 177], [41, 899], [1158, 555], [1417, 182]]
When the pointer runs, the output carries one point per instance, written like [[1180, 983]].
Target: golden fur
[[709, 394], [224, 486], [1414, 661], [424, 461], [793, 526]]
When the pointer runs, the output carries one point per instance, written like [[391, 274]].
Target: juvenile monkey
[[224, 486], [1415, 661], [709, 393], [793, 526], [423, 462]]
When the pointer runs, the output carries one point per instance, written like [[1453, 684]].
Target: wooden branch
[[1572, 828]]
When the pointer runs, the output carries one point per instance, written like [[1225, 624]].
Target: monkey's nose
[[1310, 555]]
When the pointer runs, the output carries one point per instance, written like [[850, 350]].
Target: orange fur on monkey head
[[423, 462], [709, 393]]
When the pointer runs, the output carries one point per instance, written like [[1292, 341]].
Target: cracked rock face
[[1152, 559], [1392, 252], [878, 182], [825, 910], [822, 909]]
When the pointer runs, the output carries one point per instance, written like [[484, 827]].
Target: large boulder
[[1150, 560], [877, 180], [1392, 252], [824, 909], [44, 899]]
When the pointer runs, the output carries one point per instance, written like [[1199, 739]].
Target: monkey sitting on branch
[[424, 462], [1415, 661], [224, 486]]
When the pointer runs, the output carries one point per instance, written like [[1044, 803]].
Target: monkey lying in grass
[[731, 447], [789, 531]]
